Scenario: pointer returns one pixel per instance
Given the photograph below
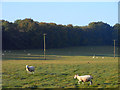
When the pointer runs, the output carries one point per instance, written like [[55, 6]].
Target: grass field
[[59, 68]]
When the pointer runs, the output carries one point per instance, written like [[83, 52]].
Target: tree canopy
[[28, 34]]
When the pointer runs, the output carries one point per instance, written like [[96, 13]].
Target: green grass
[[59, 68]]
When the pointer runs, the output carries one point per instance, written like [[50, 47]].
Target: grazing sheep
[[96, 57], [84, 78], [30, 68], [93, 57], [102, 57]]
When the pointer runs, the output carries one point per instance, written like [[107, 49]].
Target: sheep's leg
[[78, 82], [90, 82]]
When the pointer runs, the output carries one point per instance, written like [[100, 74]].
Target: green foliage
[[28, 34]]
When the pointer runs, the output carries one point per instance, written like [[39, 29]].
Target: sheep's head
[[75, 76], [26, 66]]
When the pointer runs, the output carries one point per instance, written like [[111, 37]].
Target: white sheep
[[96, 57], [102, 57], [84, 78], [29, 54], [93, 57], [30, 69]]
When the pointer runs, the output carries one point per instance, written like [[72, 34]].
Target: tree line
[[28, 34]]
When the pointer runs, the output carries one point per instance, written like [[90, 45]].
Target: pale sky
[[76, 13]]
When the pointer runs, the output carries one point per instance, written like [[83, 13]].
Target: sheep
[[96, 57], [84, 78], [93, 57], [28, 54], [30, 69], [102, 57]]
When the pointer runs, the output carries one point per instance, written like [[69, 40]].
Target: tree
[[28, 34]]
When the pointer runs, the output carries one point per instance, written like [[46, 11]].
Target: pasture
[[59, 68]]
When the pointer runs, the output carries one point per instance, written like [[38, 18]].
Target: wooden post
[[114, 48], [44, 46]]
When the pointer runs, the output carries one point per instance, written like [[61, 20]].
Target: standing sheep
[[84, 78]]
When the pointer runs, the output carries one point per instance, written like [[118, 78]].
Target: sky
[[75, 13]]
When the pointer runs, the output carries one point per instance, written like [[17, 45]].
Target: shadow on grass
[[107, 83], [31, 57], [76, 86], [33, 87], [26, 59]]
